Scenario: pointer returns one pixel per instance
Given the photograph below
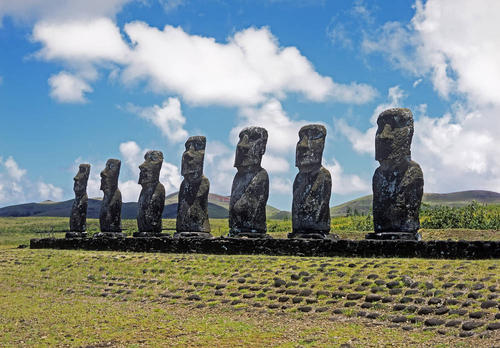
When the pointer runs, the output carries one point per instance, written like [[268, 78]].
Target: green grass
[[87, 298]]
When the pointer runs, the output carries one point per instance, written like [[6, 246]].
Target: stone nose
[[386, 132], [303, 143], [244, 141]]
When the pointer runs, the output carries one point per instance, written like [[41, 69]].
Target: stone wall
[[292, 247]]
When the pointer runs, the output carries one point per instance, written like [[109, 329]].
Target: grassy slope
[[454, 199], [79, 298]]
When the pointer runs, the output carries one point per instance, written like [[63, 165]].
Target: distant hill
[[363, 204], [221, 201], [218, 208]]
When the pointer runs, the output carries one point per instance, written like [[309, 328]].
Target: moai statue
[[152, 197], [398, 182], [312, 186], [192, 209], [250, 190], [78, 218], [111, 205]]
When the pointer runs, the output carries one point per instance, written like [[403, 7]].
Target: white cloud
[[215, 149], [282, 131], [274, 164], [29, 10], [364, 142], [170, 177], [68, 88], [13, 169], [345, 183], [281, 185], [130, 190], [460, 55], [16, 188], [167, 117], [81, 41], [49, 191], [459, 52], [171, 5], [246, 70], [132, 154]]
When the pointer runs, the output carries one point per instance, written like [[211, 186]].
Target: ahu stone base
[[291, 247]]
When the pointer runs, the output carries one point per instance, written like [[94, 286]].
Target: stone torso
[[151, 204], [78, 218], [110, 213], [397, 194], [247, 207], [192, 210], [311, 197]]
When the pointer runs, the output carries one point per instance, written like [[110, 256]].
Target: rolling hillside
[[363, 204], [218, 208]]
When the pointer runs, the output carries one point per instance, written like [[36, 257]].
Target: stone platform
[[291, 247]]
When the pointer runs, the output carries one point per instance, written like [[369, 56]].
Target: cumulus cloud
[[49, 191], [345, 183], [364, 142], [68, 88], [16, 187], [167, 117], [130, 190], [171, 5], [281, 185], [33, 10], [248, 69], [459, 54], [133, 156], [282, 130], [13, 169], [80, 41]]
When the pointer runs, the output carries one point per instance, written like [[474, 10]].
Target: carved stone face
[[81, 179], [394, 135], [251, 147], [109, 175], [310, 147], [192, 158], [150, 168]]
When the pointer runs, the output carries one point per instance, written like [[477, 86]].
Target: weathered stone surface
[[250, 190], [299, 247], [78, 217], [312, 186], [192, 209], [111, 205], [152, 197], [398, 182]]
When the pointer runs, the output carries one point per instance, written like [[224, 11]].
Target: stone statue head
[[310, 146], [192, 158], [394, 135], [251, 147], [150, 168], [81, 179], [109, 175]]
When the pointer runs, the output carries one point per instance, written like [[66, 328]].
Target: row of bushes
[[472, 216]]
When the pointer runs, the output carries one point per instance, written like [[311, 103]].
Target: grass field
[[107, 299]]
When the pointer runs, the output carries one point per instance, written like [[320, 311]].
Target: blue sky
[[87, 80]]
